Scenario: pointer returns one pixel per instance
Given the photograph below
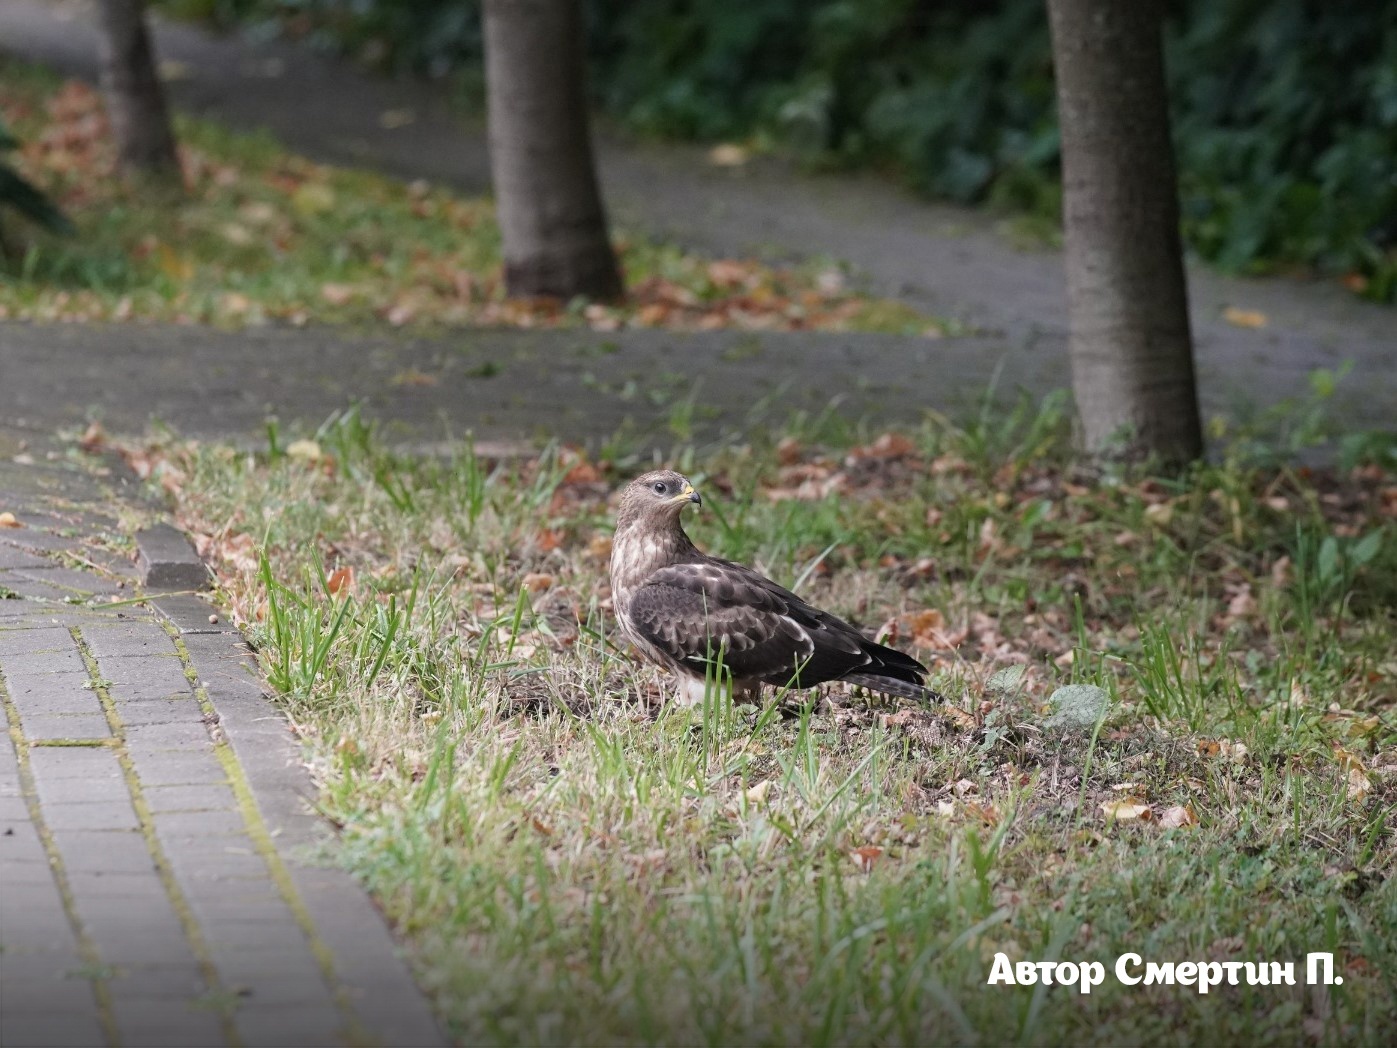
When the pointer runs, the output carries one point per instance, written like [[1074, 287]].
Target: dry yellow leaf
[[1128, 810], [756, 794], [1247, 318], [727, 155], [1159, 513], [304, 451], [172, 264], [1359, 785], [313, 198]]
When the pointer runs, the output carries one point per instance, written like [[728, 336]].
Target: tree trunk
[[135, 97], [1131, 350], [550, 212]]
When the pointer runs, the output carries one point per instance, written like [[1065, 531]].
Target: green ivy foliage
[[1285, 111]]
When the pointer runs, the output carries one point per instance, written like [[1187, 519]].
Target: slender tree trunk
[[1132, 353], [550, 211], [135, 97]]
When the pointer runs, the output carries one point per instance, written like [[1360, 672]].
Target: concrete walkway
[[159, 879]]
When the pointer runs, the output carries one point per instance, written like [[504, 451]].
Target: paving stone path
[[161, 873]]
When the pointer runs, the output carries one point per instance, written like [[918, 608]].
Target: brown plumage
[[690, 612]]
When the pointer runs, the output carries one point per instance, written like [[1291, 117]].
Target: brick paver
[[156, 879]]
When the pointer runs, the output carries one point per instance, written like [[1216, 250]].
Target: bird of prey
[[692, 613]]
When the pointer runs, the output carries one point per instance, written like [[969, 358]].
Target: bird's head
[[656, 497]]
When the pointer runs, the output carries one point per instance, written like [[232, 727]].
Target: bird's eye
[[659, 486]]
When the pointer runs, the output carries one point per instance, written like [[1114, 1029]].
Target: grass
[[573, 861], [264, 236]]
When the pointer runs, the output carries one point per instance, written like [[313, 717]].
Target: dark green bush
[[17, 193], [1285, 111]]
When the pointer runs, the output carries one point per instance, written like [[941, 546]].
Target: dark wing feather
[[698, 608]]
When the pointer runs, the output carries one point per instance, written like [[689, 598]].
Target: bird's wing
[[697, 610]]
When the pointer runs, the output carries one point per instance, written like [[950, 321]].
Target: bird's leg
[[747, 691]]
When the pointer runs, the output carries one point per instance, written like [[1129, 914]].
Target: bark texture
[[551, 217], [1131, 348], [135, 96]]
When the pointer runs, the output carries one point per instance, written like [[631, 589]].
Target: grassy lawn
[[574, 861], [262, 235]]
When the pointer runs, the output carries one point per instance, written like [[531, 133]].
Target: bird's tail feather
[[891, 686]]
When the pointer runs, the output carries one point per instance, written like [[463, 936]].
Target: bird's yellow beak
[[688, 495]]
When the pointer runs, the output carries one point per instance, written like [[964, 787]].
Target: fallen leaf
[[313, 198], [1359, 785], [93, 438], [727, 154], [1243, 604], [172, 264], [896, 720], [400, 313], [887, 446], [304, 451], [1076, 707], [927, 629], [1347, 759], [865, 857], [1356, 775], [234, 303], [235, 234], [536, 581], [337, 294], [1177, 817], [1006, 681], [1128, 810], [394, 118], [987, 813], [788, 451], [757, 793], [729, 274], [341, 581], [1247, 318], [1159, 514], [582, 473]]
